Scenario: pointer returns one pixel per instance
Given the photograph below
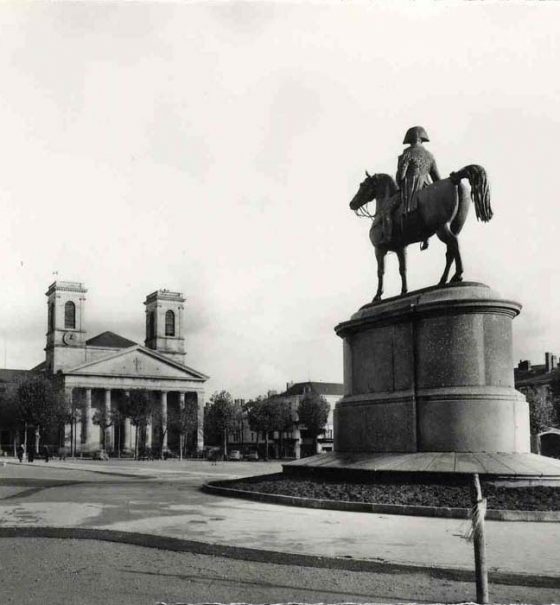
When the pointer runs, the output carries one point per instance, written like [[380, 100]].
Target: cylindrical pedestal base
[[432, 371]]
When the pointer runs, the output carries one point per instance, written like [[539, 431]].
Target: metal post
[[481, 570]]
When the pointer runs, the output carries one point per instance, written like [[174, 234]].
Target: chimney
[[548, 362], [554, 362], [524, 365]]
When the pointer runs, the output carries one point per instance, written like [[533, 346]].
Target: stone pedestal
[[432, 371]]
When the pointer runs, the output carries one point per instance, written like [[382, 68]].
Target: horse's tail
[[480, 189]]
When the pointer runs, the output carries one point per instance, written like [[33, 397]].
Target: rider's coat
[[416, 169]]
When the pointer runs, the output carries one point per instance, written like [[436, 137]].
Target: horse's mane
[[386, 180]]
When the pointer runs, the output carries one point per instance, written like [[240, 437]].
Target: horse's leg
[[452, 253], [401, 254], [380, 256]]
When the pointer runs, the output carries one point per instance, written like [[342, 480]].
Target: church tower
[[66, 332], [164, 324]]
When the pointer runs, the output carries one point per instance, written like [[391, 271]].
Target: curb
[[274, 557], [217, 488]]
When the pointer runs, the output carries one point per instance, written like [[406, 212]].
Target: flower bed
[[452, 494]]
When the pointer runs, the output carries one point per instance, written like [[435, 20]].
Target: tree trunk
[[266, 446], [225, 444], [181, 437]]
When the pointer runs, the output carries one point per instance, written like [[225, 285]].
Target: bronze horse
[[442, 209]]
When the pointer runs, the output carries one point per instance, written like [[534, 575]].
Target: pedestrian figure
[[20, 451], [46, 452]]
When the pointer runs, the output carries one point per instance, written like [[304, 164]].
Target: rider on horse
[[416, 169]]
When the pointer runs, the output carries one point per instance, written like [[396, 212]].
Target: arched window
[[151, 327], [70, 315], [170, 323], [51, 317]]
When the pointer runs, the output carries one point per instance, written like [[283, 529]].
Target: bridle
[[362, 211]]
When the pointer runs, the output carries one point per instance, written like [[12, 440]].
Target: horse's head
[[373, 186]]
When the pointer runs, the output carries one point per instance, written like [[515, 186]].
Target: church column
[[200, 422], [69, 429], [182, 435], [127, 432], [86, 434], [109, 432], [149, 430], [163, 403]]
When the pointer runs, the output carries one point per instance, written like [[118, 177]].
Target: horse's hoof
[[441, 282], [404, 291], [456, 278], [376, 298]]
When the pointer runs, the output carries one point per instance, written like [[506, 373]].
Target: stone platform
[[489, 465], [431, 371]]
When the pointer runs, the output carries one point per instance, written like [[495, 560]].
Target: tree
[[313, 412], [104, 419], [39, 404], [285, 421], [184, 420], [117, 418], [266, 415], [71, 415], [541, 410], [9, 414], [137, 406], [220, 417]]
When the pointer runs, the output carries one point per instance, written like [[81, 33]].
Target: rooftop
[[110, 340], [321, 388]]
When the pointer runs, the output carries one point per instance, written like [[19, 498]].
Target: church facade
[[98, 374]]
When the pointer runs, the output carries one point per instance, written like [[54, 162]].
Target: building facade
[[98, 374]]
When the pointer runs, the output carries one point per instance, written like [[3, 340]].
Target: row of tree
[[40, 404], [263, 415]]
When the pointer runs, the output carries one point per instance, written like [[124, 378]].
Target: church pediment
[[137, 362]]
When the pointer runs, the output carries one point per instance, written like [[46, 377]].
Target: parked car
[[235, 455], [252, 456], [214, 454]]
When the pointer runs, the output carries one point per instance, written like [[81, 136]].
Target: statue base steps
[[488, 465]]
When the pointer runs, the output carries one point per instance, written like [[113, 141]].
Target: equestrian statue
[[418, 205]]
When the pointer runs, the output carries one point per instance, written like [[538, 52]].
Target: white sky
[[213, 148]]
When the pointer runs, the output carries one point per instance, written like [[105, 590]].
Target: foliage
[[554, 393], [269, 414], [542, 414], [39, 403], [184, 420], [103, 418], [313, 412], [220, 417], [137, 406], [8, 411]]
